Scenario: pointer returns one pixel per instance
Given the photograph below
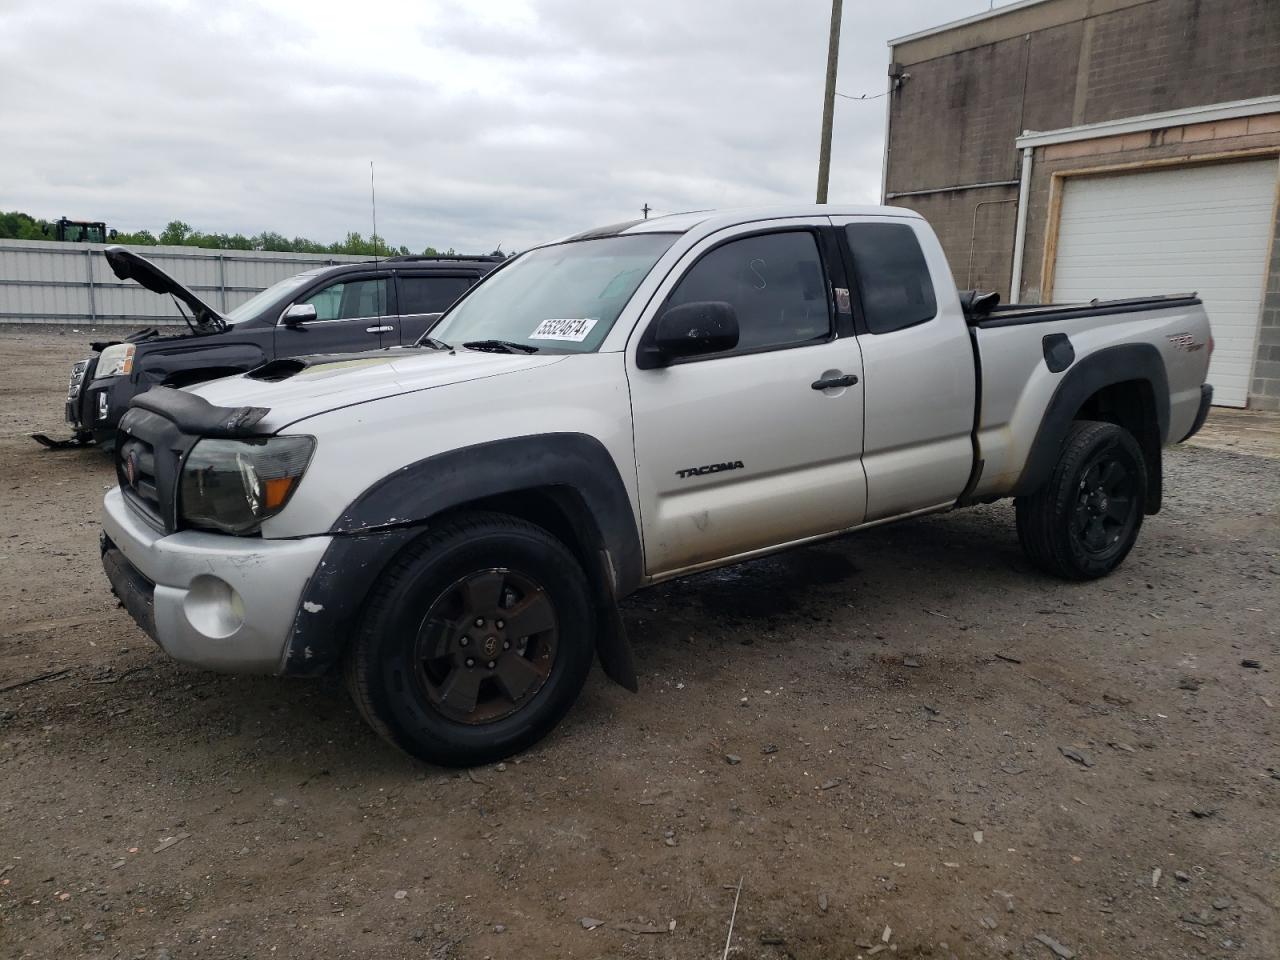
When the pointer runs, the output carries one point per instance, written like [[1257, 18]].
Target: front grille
[[77, 379], [136, 471], [150, 450]]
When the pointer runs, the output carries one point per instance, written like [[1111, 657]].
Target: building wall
[[1167, 54], [973, 225], [1060, 63], [1264, 392], [972, 89]]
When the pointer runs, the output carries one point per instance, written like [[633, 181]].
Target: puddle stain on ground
[[760, 590]]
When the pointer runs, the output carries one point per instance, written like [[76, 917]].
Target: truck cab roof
[[712, 220]]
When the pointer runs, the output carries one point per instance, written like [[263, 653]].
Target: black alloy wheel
[[476, 641], [1106, 505], [487, 645]]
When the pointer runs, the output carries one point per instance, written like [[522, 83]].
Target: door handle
[[382, 329], [831, 383]]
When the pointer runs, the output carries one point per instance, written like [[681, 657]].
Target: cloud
[[503, 122]]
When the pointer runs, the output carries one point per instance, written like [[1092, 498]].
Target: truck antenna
[[373, 206], [373, 203]]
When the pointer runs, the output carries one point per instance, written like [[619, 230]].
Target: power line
[[865, 96]]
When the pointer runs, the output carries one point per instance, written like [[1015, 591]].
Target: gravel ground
[[904, 742]]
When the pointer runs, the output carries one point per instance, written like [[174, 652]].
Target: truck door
[[424, 296], [352, 313], [920, 385], [757, 446]]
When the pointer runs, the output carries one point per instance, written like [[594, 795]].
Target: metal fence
[[71, 283]]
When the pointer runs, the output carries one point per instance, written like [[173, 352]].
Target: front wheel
[[476, 642], [1085, 519]]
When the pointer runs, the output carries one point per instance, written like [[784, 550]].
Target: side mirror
[[691, 329], [299, 314]]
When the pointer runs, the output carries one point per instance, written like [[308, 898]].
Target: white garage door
[[1203, 228]]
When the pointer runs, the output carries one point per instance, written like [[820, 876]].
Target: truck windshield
[[251, 307], [560, 298]]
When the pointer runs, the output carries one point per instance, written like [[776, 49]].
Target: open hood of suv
[[127, 265]]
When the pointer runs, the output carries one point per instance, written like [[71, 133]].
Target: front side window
[[561, 298], [775, 284], [893, 278], [350, 300], [431, 294], [259, 301]]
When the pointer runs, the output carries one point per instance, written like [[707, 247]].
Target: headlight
[[233, 485], [115, 361]]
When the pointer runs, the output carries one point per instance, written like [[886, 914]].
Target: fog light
[[213, 607], [103, 405]]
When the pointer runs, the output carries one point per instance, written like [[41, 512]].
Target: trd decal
[[709, 468], [1185, 341]]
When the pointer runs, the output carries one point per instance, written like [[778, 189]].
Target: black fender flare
[[392, 512], [1109, 366]]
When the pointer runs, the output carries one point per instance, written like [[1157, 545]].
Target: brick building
[[1081, 148]]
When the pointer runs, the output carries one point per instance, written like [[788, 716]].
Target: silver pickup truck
[[455, 522]]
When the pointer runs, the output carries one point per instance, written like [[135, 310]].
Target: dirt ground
[[903, 743]]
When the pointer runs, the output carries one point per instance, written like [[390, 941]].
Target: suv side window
[[350, 300], [431, 294], [893, 278], [775, 283]]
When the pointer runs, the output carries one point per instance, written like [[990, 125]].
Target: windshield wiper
[[433, 343], [499, 346]]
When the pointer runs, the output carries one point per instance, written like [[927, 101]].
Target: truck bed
[[1015, 314], [1034, 358]]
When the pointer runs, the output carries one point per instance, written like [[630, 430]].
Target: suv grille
[[77, 379]]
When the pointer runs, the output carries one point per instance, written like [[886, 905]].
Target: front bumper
[[210, 600], [81, 376], [102, 403]]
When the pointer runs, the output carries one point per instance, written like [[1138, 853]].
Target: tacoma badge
[[709, 468]]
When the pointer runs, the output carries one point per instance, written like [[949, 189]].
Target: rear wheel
[[476, 642], [1085, 519]]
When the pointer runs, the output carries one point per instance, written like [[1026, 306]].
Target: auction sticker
[[573, 330]]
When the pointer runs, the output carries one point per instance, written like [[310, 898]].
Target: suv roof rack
[[483, 258]]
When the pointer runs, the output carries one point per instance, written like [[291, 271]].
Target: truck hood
[[302, 387]]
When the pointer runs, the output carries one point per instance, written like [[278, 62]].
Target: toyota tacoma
[[454, 524]]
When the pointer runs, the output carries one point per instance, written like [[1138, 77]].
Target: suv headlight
[[233, 485], [115, 361]]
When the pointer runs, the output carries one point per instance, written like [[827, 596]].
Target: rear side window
[[893, 278], [430, 294], [775, 283]]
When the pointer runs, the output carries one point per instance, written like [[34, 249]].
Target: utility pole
[[829, 102], [645, 210]]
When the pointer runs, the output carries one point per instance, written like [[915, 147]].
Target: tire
[[433, 668], [1085, 519], [105, 439]]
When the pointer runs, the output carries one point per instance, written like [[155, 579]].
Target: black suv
[[342, 309]]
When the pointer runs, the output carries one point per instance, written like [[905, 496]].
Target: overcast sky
[[489, 123]]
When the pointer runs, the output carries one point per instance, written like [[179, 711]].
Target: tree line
[[16, 225]]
